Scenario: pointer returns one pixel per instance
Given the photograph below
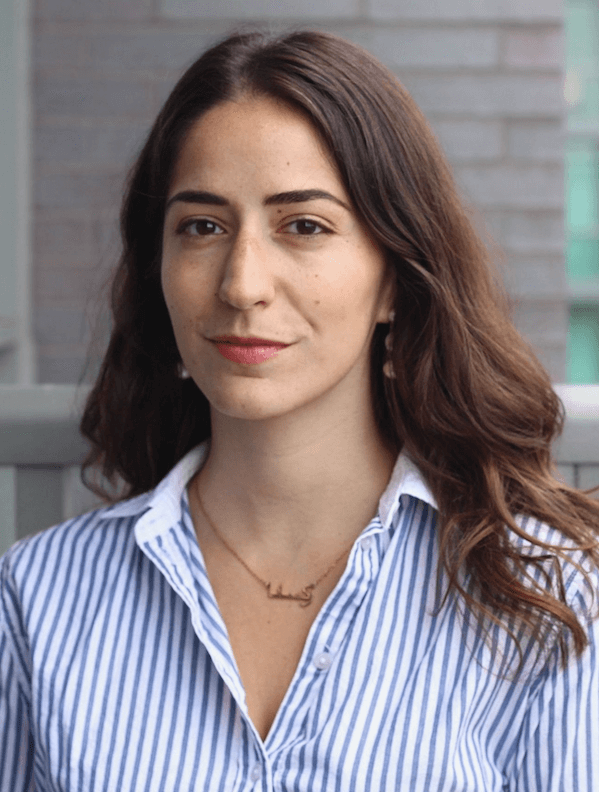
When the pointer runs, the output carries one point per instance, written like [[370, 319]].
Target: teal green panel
[[582, 259], [583, 345], [582, 58], [582, 169], [582, 22]]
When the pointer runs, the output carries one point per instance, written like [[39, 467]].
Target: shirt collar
[[167, 494], [165, 499], [406, 479]]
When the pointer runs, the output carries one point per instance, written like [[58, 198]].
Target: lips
[[247, 341], [247, 351]]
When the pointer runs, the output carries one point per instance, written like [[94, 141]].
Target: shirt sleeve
[[16, 741], [559, 740]]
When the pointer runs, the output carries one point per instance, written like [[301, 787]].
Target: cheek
[[168, 280], [175, 308], [181, 313], [349, 294], [184, 289]]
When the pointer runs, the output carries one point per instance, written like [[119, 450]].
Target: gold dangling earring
[[388, 369]]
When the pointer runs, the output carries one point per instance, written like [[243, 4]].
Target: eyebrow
[[291, 197]]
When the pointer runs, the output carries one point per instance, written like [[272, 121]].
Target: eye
[[306, 227], [200, 227]]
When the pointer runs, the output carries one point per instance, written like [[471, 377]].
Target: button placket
[[323, 661], [326, 638], [256, 772]]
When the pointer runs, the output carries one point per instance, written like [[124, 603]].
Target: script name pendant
[[304, 597]]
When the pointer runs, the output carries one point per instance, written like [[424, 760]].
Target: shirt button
[[256, 772], [366, 543], [323, 661]]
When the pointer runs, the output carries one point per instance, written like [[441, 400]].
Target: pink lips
[[248, 351]]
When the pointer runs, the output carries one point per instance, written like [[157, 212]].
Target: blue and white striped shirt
[[116, 672]]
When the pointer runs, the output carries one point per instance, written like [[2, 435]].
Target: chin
[[251, 400], [250, 411], [260, 401]]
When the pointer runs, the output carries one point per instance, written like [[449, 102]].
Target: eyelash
[[187, 224]]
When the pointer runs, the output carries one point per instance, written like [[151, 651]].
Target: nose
[[247, 280]]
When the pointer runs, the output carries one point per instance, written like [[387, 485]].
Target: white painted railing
[[41, 450], [40, 453], [577, 450]]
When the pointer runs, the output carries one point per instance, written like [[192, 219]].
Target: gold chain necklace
[[304, 597]]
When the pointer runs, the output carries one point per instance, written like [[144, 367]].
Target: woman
[[341, 559]]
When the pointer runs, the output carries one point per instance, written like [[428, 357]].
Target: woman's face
[[260, 242]]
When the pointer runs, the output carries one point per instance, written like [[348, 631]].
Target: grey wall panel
[[39, 499]]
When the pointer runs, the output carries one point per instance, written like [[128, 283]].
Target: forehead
[[255, 138]]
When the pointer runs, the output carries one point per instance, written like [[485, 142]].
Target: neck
[[294, 483]]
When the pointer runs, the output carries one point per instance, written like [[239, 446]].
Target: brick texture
[[145, 50], [488, 95], [537, 140], [64, 284], [470, 140], [510, 185], [487, 74], [98, 97], [64, 365], [540, 276], [471, 10], [69, 240], [542, 49], [72, 191], [427, 48], [90, 10], [541, 319], [588, 477], [259, 9], [544, 324], [49, 50], [99, 145], [534, 231], [61, 325]]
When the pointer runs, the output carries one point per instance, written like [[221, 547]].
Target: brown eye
[[200, 228], [306, 227]]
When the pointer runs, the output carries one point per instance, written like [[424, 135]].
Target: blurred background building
[[511, 88], [489, 75], [581, 91]]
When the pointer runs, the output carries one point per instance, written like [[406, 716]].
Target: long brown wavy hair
[[471, 403]]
